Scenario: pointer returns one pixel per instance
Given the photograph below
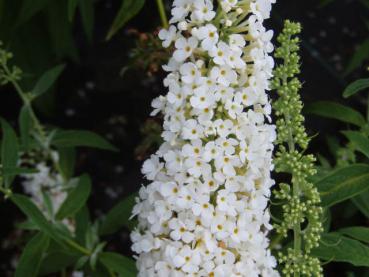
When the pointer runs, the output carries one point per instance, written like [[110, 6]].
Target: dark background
[[92, 93]]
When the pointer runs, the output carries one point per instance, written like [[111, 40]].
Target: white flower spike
[[205, 212]]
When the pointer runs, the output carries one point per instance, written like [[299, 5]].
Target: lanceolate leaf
[[335, 247], [76, 198], [356, 87], [72, 6], [361, 54], [74, 138], [118, 263], [87, 14], [359, 233], [13, 171], [30, 209], [47, 80], [118, 216], [128, 10], [67, 160], [362, 203], [9, 152], [55, 261], [360, 141], [32, 255], [343, 184], [29, 9], [336, 111]]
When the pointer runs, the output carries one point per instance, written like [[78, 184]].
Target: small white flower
[[202, 99], [220, 53], [181, 230], [203, 10], [223, 75], [192, 130], [187, 259], [189, 73], [185, 48], [151, 167], [168, 36], [208, 35]]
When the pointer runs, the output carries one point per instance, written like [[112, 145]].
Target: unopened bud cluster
[[301, 200]]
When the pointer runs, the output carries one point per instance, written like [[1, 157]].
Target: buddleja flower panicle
[[205, 212], [301, 211]]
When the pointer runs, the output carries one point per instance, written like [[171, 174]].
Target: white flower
[[202, 99], [189, 73], [181, 230], [203, 208], [168, 36], [185, 48], [220, 53], [151, 167], [208, 35], [187, 259], [223, 75], [192, 130], [203, 10]]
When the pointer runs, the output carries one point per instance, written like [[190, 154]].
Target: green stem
[[78, 247], [163, 15], [36, 122]]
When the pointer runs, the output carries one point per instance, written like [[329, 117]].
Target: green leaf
[[29, 9], [13, 171], [48, 204], [30, 209], [124, 266], [336, 111], [87, 14], [72, 6], [32, 255], [327, 220], [67, 161], [76, 199], [335, 247], [25, 123], [118, 216], [357, 232], [9, 152], [82, 219], [128, 10], [362, 203], [94, 256], [47, 80], [344, 183], [360, 142], [360, 55], [74, 138], [60, 31], [56, 261], [355, 87]]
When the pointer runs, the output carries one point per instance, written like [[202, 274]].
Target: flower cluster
[[46, 186], [205, 211], [301, 211]]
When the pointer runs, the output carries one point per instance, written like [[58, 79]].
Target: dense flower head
[[205, 211]]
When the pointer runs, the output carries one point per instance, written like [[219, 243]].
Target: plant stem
[[78, 247], [163, 15], [36, 122]]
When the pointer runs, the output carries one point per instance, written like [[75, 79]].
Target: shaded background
[[98, 92]]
